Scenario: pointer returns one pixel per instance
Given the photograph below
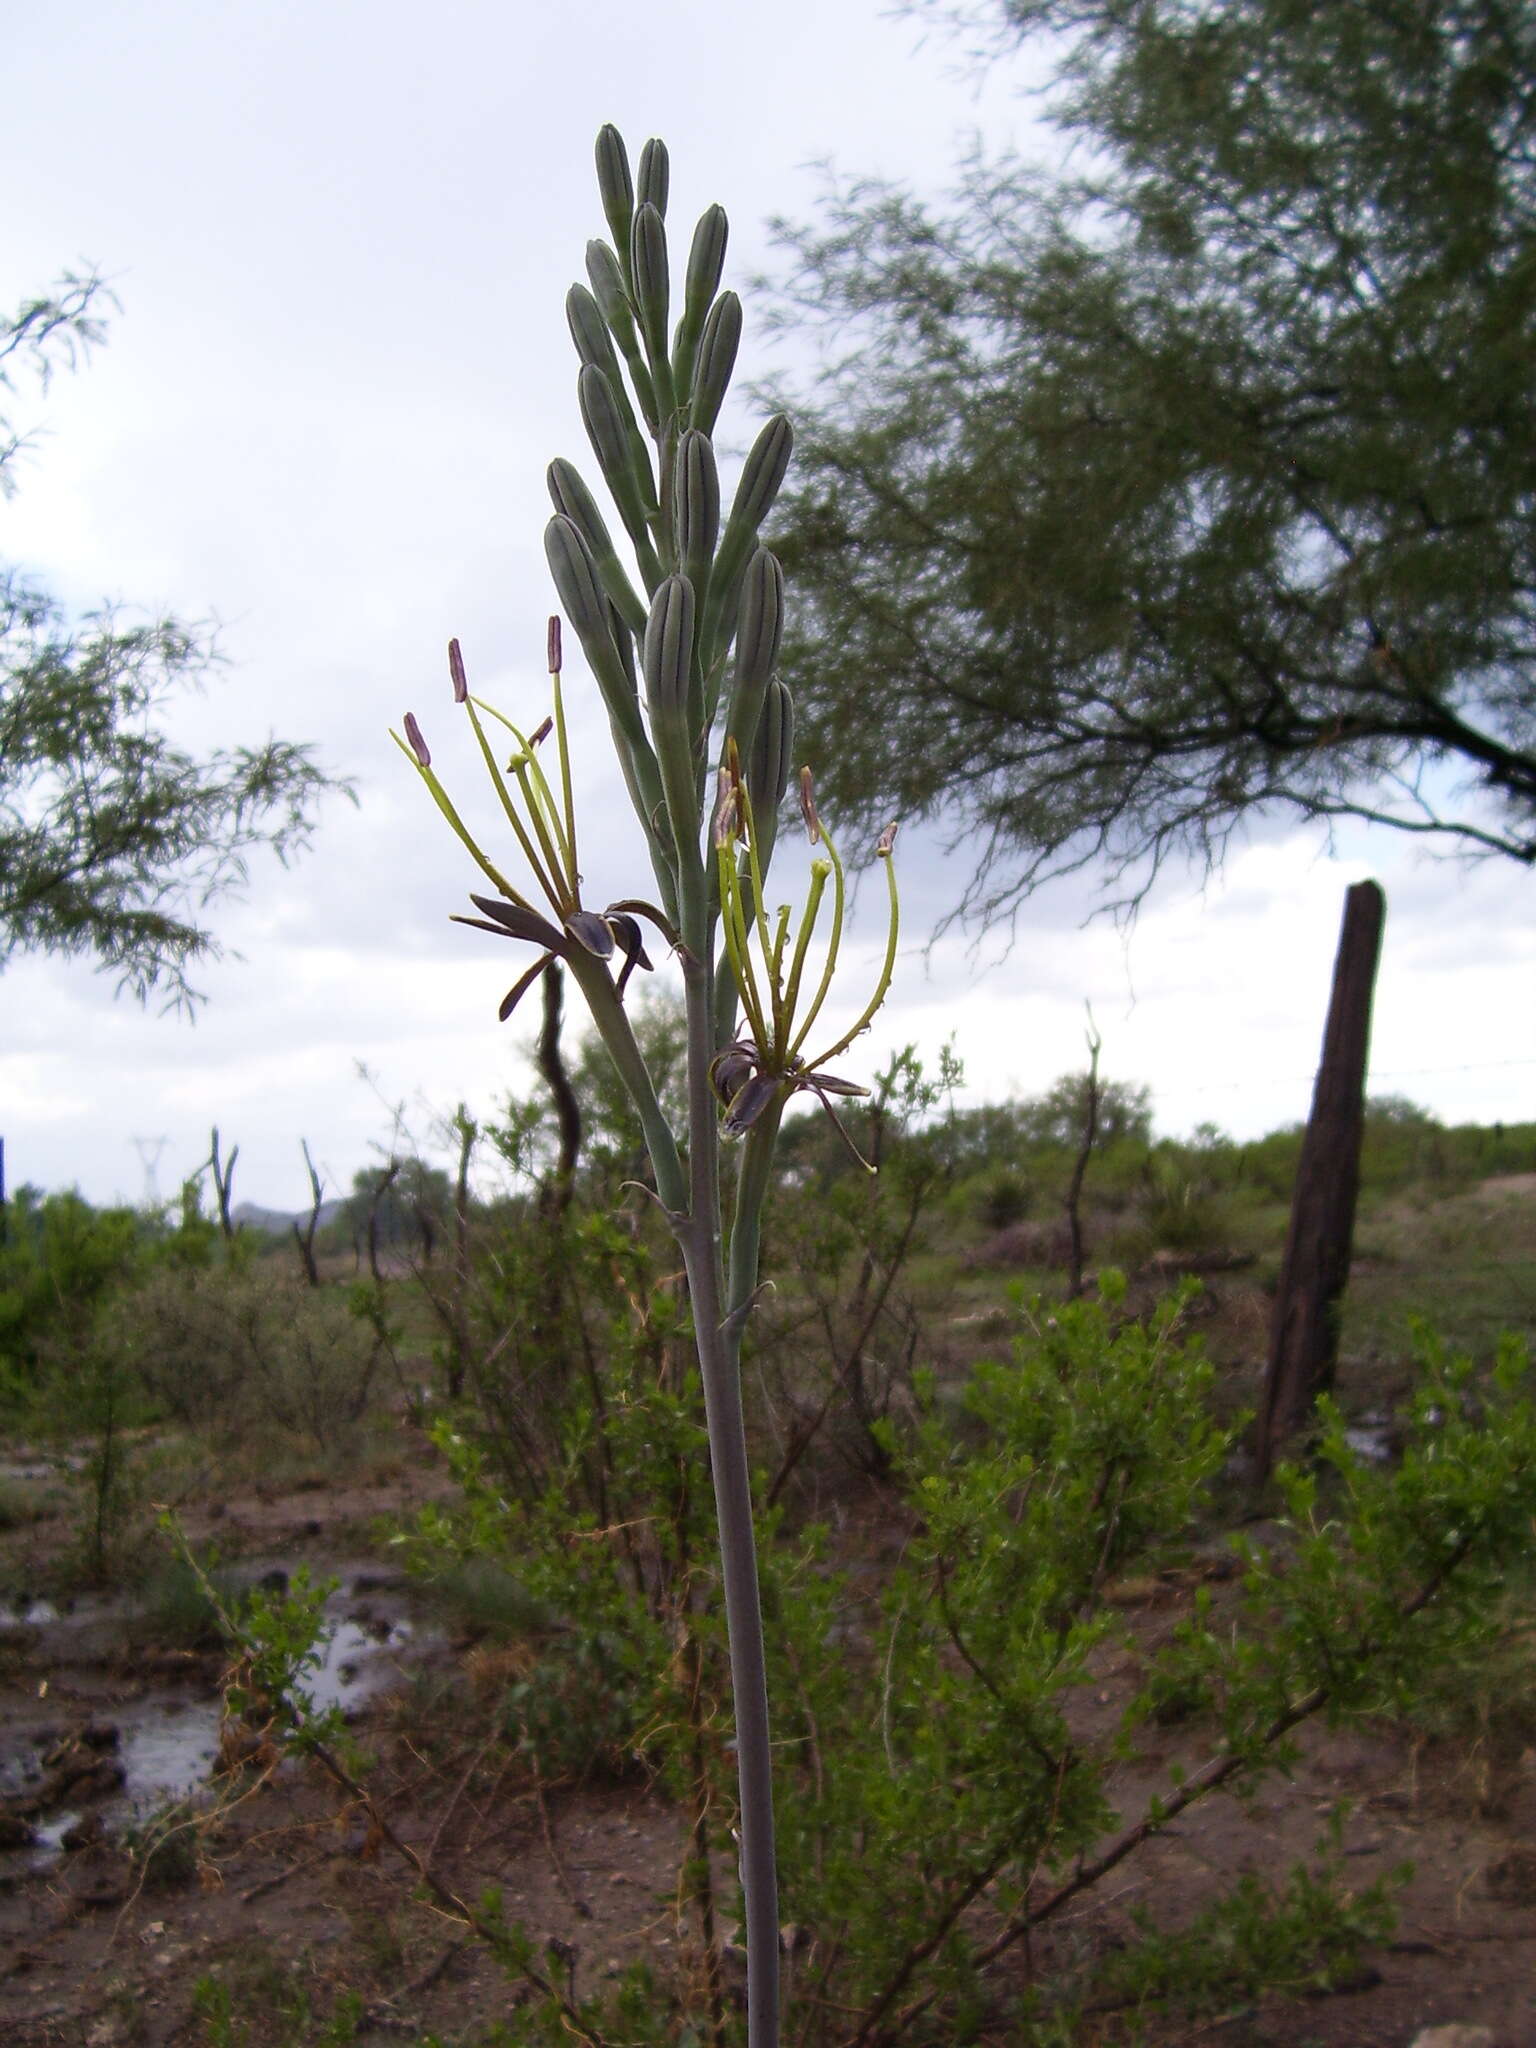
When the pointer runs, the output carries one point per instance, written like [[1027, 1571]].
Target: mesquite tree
[[703, 731], [1188, 481], [114, 839]]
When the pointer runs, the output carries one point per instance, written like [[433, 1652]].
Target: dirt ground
[[289, 1894]]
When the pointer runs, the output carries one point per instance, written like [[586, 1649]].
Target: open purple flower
[[746, 1083], [599, 933]]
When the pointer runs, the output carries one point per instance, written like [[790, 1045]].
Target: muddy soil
[[288, 1894]]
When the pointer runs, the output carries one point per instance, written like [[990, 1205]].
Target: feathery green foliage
[[1193, 480], [114, 839]]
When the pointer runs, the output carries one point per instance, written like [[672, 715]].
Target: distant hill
[[278, 1222]]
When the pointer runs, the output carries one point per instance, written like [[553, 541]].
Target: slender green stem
[[608, 1014], [530, 853], [780, 940], [541, 809], [565, 777], [559, 848], [888, 968], [717, 1337], [839, 899], [539, 796], [444, 803], [819, 873], [733, 925], [760, 918]]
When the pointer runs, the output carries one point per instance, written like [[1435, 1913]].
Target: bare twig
[[578, 1905]]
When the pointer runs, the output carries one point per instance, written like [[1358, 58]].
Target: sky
[[340, 236]]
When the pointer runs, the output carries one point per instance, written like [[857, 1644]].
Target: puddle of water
[[168, 1743], [1371, 1439], [167, 1749], [358, 1661], [27, 1613], [366, 1630], [25, 1471], [50, 1836]]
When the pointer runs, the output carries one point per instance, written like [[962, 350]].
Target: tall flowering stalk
[[704, 731]]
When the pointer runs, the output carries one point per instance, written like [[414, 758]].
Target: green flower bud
[[624, 640], [613, 184], [604, 423], [648, 267], [768, 766], [696, 496], [614, 443], [759, 619], [603, 420], [773, 747], [612, 296], [655, 175], [668, 661], [668, 655], [759, 623], [715, 361], [603, 635], [761, 476], [576, 582], [606, 642], [706, 260], [589, 331], [607, 281], [569, 495]]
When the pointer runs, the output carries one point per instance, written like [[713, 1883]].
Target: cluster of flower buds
[[686, 660], [649, 400]]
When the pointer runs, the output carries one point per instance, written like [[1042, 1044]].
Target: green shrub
[[63, 1264], [260, 1984], [60, 1261], [238, 1349], [1182, 1209], [22, 1504], [488, 1599], [162, 1848], [1004, 1199], [177, 1607], [1301, 1937], [947, 1776]]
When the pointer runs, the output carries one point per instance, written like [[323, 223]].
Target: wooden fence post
[[1304, 1335]]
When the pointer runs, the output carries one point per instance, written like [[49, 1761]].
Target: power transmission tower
[[149, 1150]]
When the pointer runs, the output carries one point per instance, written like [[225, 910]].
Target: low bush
[[948, 1771], [61, 1259], [177, 1608], [238, 1349], [162, 1847]]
